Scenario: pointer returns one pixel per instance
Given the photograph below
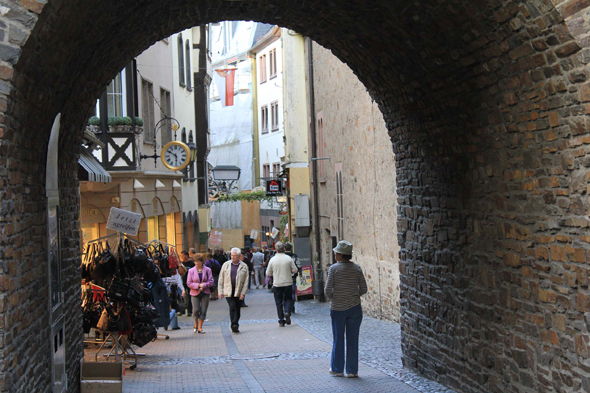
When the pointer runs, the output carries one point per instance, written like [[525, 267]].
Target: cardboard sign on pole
[[124, 221]]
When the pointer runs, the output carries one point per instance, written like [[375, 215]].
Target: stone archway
[[485, 106]]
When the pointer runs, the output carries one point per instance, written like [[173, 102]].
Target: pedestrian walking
[[257, 262], [189, 263], [244, 258], [344, 287], [233, 286], [200, 280], [295, 258], [215, 267], [281, 268]]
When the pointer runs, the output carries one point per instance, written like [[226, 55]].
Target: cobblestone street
[[266, 358]]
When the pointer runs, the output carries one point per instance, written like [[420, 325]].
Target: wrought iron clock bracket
[[155, 156]]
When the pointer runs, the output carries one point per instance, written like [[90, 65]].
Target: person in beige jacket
[[233, 285]]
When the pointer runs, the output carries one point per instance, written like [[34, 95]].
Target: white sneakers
[[335, 374]]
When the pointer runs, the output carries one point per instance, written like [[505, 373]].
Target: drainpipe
[[318, 283]]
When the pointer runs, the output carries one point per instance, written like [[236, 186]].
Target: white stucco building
[[269, 105]]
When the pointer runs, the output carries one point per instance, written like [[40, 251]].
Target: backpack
[[215, 267]]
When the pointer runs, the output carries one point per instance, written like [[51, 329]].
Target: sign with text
[[274, 188], [124, 221], [215, 238], [304, 281]]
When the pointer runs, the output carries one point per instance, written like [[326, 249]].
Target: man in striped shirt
[[344, 287]]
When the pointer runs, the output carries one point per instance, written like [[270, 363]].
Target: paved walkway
[[267, 358]]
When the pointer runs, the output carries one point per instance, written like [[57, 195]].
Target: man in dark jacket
[[289, 252], [220, 256]]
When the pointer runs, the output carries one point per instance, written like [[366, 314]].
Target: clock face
[[175, 155]]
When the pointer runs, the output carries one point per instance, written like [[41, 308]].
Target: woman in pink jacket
[[200, 280]]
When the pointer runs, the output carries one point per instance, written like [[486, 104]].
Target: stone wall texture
[[486, 103], [355, 138]]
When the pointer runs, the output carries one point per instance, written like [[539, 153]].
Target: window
[[170, 229], [272, 55], [264, 119], [166, 112], [153, 228], [339, 201], [189, 77], [266, 171], [181, 70], [262, 66], [115, 96], [321, 168], [276, 169], [274, 115], [147, 95]]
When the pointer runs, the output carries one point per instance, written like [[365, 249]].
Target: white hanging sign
[[274, 232], [124, 221], [253, 234]]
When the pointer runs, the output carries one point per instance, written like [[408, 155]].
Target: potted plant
[[126, 123], [138, 125], [116, 124], [94, 124]]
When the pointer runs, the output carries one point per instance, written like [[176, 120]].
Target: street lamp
[[192, 158], [224, 176]]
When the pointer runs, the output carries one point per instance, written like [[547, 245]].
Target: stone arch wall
[[485, 103]]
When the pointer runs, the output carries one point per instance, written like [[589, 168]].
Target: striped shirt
[[345, 285]]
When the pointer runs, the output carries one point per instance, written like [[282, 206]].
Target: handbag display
[[115, 321], [119, 289]]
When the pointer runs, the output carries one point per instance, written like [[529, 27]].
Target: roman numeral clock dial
[[175, 155]]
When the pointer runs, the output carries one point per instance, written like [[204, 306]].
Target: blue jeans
[[283, 298], [173, 319], [346, 322]]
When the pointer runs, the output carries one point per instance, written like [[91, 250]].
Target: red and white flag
[[224, 80]]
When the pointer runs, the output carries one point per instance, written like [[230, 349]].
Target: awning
[[89, 169]]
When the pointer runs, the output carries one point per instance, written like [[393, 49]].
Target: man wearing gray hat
[[344, 287]]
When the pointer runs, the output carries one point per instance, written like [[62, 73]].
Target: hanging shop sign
[[274, 188], [124, 221]]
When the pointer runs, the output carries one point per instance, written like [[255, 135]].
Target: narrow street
[[266, 358]]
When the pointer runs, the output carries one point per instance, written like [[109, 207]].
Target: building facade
[[157, 92], [355, 200], [233, 139], [269, 106]]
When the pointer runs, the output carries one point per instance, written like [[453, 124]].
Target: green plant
[[116, 121], [138, 121], [245, 196], [94, 121], [126, 120]]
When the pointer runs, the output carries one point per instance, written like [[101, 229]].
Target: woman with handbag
[[200, 280]]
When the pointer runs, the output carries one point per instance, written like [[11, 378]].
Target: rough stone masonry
[[486, 103]]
